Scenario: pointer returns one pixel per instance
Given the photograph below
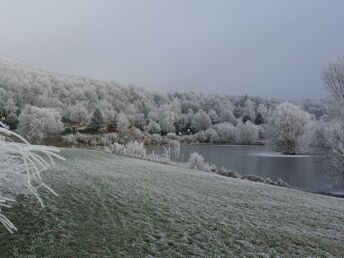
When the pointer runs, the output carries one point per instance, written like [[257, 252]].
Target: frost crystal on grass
[[21, 165]]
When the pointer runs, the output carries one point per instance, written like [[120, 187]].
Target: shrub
[[135, 149], [196, 161]]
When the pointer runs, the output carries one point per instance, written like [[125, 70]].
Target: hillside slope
[[121, 207]]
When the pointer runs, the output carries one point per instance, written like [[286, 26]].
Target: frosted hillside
[[111, 206]]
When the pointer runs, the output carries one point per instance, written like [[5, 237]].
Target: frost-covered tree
[[226, 132], [249, 108], [166, 122], [247, 133], [153, 127], [36, 124], [122, 123], [201, 121], [333, 76], [212, 135], [227, 116], [263, 111], [78, 114], [97, 121], [287, 128], [214, 117], [333, 148], [333, 131]]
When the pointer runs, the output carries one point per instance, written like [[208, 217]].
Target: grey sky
[[267, 48]]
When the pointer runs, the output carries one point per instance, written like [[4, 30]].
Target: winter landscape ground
[[112, 206]]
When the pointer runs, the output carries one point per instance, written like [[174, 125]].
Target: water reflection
[[305, 172]]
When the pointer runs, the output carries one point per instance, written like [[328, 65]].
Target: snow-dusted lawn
[[122, 207]]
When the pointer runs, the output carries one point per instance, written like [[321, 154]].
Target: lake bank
[[304, 172]]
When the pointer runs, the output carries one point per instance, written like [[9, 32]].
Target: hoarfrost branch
[[20, 170]]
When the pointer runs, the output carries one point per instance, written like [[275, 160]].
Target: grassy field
[[121, 207]]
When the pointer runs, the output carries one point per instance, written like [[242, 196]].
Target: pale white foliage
[[201, 121], [333, 131], [131, 149], [333, 76], [153, 127], [247, 133], [249, 108], [78, 114], [212, 135], [21, 168], [227, 116], [166, 121], [36, 124], [122, 123], [226, 132], [287, 128], [334, 143], [196, 161]]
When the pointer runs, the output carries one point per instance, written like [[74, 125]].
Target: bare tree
[[333, 136], [333, 76]]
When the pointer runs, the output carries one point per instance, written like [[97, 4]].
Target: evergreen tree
[[97, 121], [246, 118], [259, 119]]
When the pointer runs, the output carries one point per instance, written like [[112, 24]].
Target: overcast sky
[[265, 48]]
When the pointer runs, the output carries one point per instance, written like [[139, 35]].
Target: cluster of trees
[[34, 101], [39, 103]]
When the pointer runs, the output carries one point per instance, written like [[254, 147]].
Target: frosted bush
[[153, 127], [135, 134], [172, 136], [21, 168], [118, 149], [156, 139], [70, 139], [196, 161], [135, 149], [201, 137], [132, 149]]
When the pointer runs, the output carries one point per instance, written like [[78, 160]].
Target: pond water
[[301, 171]]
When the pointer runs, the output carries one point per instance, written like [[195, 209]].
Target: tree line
[[39, 103]]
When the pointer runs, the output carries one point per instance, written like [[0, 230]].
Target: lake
[[300, 171]]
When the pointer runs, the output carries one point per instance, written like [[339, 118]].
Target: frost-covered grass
[[114, 206]]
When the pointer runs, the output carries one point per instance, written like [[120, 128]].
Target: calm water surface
[[302, 171]]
